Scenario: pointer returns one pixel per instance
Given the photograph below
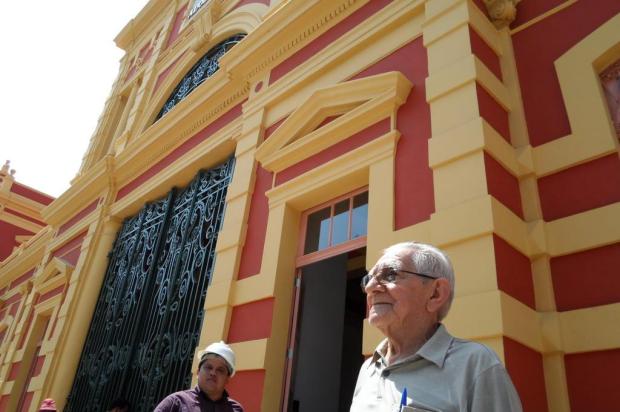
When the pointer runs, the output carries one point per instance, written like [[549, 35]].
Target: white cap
[[223, 350]]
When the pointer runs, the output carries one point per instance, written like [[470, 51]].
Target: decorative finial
[[502, 12]]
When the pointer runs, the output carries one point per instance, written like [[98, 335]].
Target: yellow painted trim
[[361, 102], [583, 331], [462, 72], [592, 131], [586, 230], [543, 16]]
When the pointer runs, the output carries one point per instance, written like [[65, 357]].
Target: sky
[[58, 64]]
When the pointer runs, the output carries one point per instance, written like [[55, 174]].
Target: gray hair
[[431, 261]]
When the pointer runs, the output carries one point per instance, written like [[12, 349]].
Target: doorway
[[327, 350]]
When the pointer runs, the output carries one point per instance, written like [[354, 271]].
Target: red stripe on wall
[[536, 49], [588, 278], [186, 146], [162, 76], [525, 367], [318, 44], [529, 10], [493, 112], [252, 254], [19, 281], [592, 380], [502, 185], [27, 401], [414, 197], [32, 194], [514, 272], [580, 188], [78, 216], [251, 321], [4, 402], [14, 371], [38, 365], [247, 388], [23, 216], [50, 294], [332, 152], [269, 130], [486, 55], [70, 251], [174, 33]]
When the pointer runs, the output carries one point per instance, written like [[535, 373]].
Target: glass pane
[[317, 232], [359, 221], [340, 228]]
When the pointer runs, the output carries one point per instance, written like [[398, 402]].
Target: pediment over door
[[332, 114]]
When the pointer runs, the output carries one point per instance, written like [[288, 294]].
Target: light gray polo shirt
[[447, 374]]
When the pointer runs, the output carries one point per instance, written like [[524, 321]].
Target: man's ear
[[440, 295]]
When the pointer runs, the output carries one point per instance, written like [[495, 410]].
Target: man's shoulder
[[236, 406], [473, 353]]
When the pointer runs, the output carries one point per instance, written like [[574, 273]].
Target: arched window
[[203, 69]]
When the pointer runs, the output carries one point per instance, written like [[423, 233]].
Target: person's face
[[213, 377], [394, 305]]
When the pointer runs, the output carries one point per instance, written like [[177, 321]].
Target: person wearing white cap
[[215, 368]]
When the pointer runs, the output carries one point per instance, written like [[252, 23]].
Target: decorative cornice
[[275, 40], [502, 12]]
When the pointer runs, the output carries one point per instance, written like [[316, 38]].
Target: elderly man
[[420, 366], [215, 368]]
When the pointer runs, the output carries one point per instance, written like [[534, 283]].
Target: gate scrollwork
[[147, 320]]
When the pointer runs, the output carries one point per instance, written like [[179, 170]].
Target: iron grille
[[149, 313], [202, 70]]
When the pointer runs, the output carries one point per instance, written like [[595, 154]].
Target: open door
[[327, 335]]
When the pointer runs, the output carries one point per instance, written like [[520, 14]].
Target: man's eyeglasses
[[389, 276]]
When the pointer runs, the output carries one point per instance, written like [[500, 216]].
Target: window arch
[[203, 69]]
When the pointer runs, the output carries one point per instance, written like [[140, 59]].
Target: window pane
[[340, 228], [317, 232], [359, 221]]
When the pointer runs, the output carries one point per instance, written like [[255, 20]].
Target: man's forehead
[[392, 259]]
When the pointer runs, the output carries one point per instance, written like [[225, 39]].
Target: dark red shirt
[[194, 400]]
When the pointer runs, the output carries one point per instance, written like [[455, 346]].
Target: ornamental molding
[[357, 104], [502, 12]]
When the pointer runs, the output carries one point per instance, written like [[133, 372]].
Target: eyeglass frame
[[367, 278]]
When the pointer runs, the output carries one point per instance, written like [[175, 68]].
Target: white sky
[[57, 66]]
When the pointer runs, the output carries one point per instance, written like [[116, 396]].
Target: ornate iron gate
[[148, 317]]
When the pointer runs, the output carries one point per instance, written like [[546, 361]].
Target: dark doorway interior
[[328, 350]]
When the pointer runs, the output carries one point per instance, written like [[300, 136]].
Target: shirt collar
[[204, 395], [434, 350]]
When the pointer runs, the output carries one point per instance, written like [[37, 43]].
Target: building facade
[[255, 157]]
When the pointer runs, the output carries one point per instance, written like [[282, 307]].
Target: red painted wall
[[78, 216], [31, 193], [414, 197], [247, 388], [588, 278], [544, 108], [580, 188], [252, 254], [514, 272], [502, 185], [485, 53], [174, 33], [526, 371], [592, 379], [7, 239], [493, 112], [326, 38], [23, 216], [335, 151], [251, 321], [70, 251]]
